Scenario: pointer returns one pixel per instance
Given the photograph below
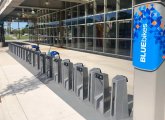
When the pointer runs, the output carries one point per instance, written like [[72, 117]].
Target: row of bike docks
[[91, 85]]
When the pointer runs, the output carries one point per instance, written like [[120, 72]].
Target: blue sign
[[149, 37]]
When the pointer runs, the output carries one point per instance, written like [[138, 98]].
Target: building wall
[[101, 26]]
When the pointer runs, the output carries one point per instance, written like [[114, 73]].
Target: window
[[74, 31], [110, 29], [111, 5], [125, 4], [110, 45], [90, 44], [99, 30], [75, 42], [126, 14], [74, 12], [124, 47], [99, 18], [89, 19], [90, 8], [110, 16], [81, 10], [82, 31], [100, 6], [89, 30], [99, 45], [124, 29], [82, 43]]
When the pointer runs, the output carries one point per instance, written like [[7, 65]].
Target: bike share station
[[92, 86], [148, 59]]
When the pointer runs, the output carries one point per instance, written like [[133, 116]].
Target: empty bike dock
[[90, 86]]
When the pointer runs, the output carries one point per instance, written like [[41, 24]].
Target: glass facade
[[102, 26]]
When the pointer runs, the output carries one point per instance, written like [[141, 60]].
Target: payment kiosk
[[148, 60]]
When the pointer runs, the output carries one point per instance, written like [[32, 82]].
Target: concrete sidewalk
[[24, 97]]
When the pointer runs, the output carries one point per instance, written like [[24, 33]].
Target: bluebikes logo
[[149, 37]]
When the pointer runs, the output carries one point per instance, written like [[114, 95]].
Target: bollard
[[49, 66], [42, 62], [119, 102], [33, 57], [37, 60], [67, 74], [81, 81], [91, 84], [57, 70], [101, 92]]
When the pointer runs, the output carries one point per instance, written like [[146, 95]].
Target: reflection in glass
[[68, 13], [81, 10], [64, 41], [74, 31], [89, 30], [62, 15], [89, 19], [68, 22], [90, 8], [75, 42], [125, 14], [74, 12], [69, 32], [110, 29], [110, 45], [82, 43], [99, 45], [110, 16], [100, 6], [111, 5], [90, 44], [99, 18], [99, 30], [81, 20], [69, 42], [82, 31], [125, 4], [124, 47], [125, 29], [74, 21]]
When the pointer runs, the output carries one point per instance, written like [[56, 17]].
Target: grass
[[23, 37], [7, 37]]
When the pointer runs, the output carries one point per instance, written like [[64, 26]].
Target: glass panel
[[111, 5], [124, 47], [68, 22], [90, 30], [74, 31], [125, 29], [99, 18], [74, 12], [82, 43], [62, 15], [69, 32], [99, 30], [142, 1], [110, 29], [89, 19], [81, 10], [99, 45], [90, 8], [82, 31], [69, 42], [110, 16], [75, 42], [81, 20], [110, 45], [125, 4], [90, 44], [74, 21], [64, 41], [68, 14], [125, 14], [100, 6]]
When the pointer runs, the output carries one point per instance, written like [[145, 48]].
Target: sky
[[14, 25]]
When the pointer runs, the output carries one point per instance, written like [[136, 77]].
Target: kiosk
[[148, 60]]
